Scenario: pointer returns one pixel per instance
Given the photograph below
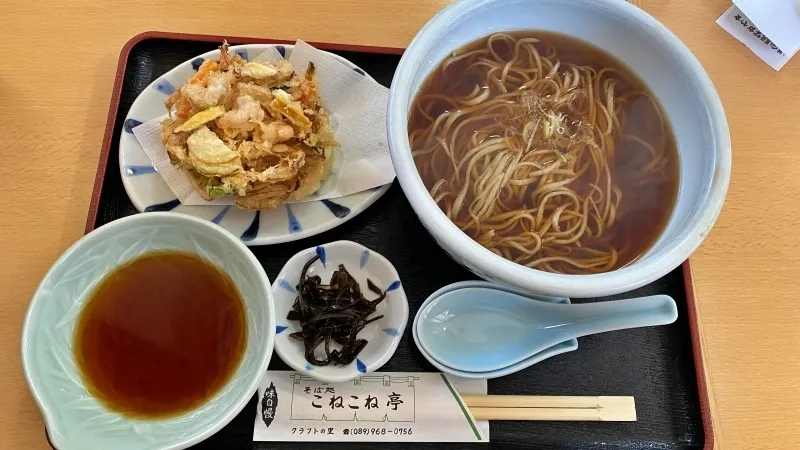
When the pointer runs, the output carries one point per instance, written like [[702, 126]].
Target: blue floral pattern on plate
[[165, 87], [221, 215], [166, 206], [294, 224], [130, 124], [197, 62], [320, 250], [252, 231], [337, 209], [282, 224], [132, 171], [286, 286]]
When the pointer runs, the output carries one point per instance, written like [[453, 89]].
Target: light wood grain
[[548, 401], [548, 407], [57, 63], [555, 414]]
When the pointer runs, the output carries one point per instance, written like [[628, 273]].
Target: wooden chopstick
[[547, 401], [520, 407], [553, 414]]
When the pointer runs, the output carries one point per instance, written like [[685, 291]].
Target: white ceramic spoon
[[485, 329]]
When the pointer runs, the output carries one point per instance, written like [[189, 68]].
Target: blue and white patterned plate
[[383, 335], [148, 191]]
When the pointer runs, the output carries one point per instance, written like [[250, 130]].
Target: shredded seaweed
[[334, 312]]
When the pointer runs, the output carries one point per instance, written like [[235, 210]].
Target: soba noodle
[[527, 161]]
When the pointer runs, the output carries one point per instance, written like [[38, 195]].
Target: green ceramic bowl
[[76, 420]]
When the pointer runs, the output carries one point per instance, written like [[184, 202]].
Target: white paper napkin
[[357, 106], [779, 19], [769, 28]]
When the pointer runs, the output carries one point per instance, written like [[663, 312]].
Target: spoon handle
[[590, 318]]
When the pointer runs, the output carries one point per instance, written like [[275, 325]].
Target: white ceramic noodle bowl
[[655, 54]]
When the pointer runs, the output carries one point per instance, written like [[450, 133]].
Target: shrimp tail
[[224, 56], [310, 71]]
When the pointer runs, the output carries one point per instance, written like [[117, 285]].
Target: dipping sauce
[[160, 335]]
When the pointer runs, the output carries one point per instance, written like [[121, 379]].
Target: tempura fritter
[[255, 130]]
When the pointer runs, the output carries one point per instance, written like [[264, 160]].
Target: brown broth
[[160, 335], [646, 208]]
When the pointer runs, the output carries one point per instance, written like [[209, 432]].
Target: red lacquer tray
[[662, 367]]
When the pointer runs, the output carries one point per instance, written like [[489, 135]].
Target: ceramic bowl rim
[[107, 232], [481, 260]]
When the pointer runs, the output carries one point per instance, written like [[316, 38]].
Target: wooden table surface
[[57, 64]]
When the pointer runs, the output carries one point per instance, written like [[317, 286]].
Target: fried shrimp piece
[[224, 56], [264, 136], [172, 100], [245, 116], [307, 92], [183, 108], [203, 96], [203, 71], [275, 132]]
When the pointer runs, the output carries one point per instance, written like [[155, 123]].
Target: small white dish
[[383, 336], [74, 418], [149, 192], [563, 347]]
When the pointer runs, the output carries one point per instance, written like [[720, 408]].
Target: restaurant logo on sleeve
[[269, 403]]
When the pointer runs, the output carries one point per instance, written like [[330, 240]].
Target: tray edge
[[91, 220], [697, 351]]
